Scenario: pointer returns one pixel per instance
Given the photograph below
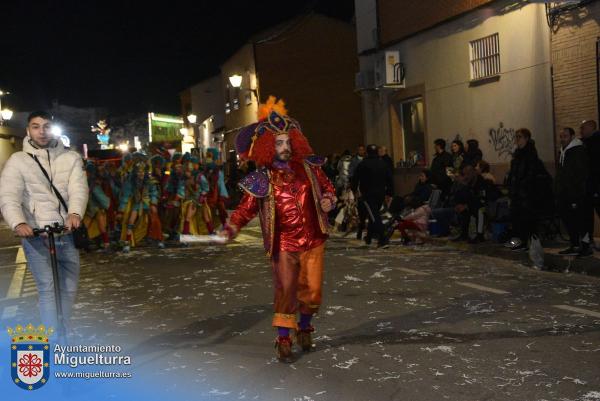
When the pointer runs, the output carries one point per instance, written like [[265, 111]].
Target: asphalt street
[[405, 323]]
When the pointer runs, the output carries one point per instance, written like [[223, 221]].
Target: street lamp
[[5, 114], [192, 119], [235, 80], [56, 131]]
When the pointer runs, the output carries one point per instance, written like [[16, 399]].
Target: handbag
[[80, 234]]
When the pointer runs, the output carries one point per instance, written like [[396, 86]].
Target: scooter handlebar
[[55, 229]]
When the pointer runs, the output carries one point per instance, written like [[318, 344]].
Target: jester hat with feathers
[[256, 142]]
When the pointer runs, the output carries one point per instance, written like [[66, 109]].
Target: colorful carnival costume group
[[292, 196], [153, 199]]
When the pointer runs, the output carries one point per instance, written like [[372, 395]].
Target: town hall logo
[[30, 356]]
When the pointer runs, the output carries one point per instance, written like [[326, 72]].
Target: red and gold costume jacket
[[287, 201]]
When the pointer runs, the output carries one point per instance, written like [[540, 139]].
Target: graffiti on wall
[[502, 140]]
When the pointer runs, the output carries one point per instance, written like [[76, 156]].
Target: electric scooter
[[50, 230]]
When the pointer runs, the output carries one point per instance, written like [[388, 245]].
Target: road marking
[[361, 259], [16, 284], [578, 310], [411, 271], [14, 290], [482, 288], [20, 256], [404, 269], [11, 265], [10, 247]]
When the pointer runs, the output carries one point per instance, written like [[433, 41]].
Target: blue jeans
[[38, 261]]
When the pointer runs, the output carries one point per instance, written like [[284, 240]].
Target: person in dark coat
[[382, 151], [420, 194], [570, 183], [423, 188], [330, 167], [591, 139], [530, 189], [439, 165], [374, 180], [458, 156], [472, 154]]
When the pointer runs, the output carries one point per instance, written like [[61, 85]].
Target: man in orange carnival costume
[[292, 196]]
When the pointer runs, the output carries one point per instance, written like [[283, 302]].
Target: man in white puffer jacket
[[27, 201]]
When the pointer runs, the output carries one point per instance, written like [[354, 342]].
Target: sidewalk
[[552, 260]]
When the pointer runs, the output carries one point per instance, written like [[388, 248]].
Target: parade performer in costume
[[292, 196], [134, 206], [194, 210], [95, 218], [175, 192], [218, 194], [157, 182], [110, 185]]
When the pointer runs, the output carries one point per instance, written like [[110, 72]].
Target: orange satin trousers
[[297, 281]]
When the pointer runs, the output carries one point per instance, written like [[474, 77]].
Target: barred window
[[485, 57]]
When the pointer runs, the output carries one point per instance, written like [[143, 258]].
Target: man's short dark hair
[[40, 113], [440, 142], [372, 150], [590, 123], [570, 130]]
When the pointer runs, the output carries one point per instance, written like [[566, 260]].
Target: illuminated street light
[[192, 118], [235, 80], [56, 130], [7, 114], [124, 147]]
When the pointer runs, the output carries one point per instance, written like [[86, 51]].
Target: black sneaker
[[368, 240], [585, 252], [570, 251]]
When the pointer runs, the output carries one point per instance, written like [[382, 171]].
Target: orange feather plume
[[271, 105]]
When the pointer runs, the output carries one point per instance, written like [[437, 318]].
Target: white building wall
[[439, 60]]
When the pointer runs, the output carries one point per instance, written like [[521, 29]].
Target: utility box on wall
[[389, 71]]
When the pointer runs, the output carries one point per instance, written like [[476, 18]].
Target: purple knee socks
[[304, 321], [283, 331]]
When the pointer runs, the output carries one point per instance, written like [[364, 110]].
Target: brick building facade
[[317, 82], [575, 36]]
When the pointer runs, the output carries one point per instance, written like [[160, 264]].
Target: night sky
[[128, 56]]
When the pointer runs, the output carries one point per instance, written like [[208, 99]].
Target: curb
[[553, 262]]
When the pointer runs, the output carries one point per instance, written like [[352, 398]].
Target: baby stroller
[[398, 211]]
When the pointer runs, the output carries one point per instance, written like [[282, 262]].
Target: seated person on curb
[[413, 227], [463, 203], [421, 192]]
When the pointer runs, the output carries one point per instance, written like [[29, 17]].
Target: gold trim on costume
[[316, 190], [285, 315]]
